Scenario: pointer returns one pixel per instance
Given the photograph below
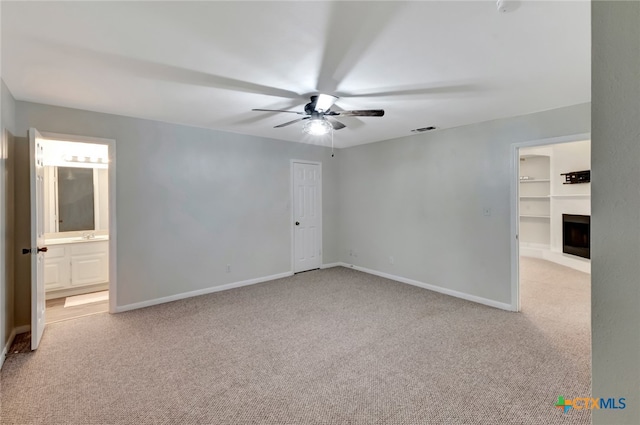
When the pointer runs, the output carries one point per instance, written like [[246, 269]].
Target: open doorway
[[551, 209], [551, 216], [75, 206], [551, 212]]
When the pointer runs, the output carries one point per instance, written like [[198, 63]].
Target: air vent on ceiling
[[423, 129]]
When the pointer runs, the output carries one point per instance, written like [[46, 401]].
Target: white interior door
[[37, 248], [307, 216]]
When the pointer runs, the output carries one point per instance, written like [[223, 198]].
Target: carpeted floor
[[333, 346]]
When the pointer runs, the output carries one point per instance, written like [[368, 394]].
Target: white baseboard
[[6, 348], [12, 336], [176, 297], [567, 260], [534, 250], [329, 265], [451, 292]]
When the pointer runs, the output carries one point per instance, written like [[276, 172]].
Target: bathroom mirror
[[76, 199]]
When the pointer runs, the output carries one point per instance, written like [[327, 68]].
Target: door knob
[[29, 251], [297, 223]]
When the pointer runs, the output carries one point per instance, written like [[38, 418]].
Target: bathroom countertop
[[75, 239]]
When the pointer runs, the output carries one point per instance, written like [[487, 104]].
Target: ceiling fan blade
[[278, 110], [352, 30], [291, 122], [451, 89], [324, 102], [361, 113], [337, 125]]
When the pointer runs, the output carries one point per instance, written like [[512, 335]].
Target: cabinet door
[[89, 263], [56, 268]]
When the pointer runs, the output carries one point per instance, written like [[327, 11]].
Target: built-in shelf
[[534, 200], [571, 196], [543, 199]]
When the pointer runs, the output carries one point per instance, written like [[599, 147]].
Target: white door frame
[[515, 205], [4, 147], [291, 196], [113, 241]]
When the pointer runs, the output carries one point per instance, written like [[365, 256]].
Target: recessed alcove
[[544, 198]]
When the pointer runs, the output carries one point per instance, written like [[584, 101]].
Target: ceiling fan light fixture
[[324, 102], [317, 127]]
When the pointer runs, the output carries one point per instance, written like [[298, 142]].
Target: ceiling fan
[[319, 116]]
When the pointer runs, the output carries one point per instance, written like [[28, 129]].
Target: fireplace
[[576, 235]]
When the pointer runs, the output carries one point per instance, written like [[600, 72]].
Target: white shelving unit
[[535, 200], [571, 196]]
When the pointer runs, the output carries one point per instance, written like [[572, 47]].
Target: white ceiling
[[208, 64]]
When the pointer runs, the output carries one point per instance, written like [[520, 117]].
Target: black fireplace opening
[[576, 235]]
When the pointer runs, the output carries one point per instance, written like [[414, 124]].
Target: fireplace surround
[[576, 235]]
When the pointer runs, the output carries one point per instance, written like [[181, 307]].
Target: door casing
[[113, 240], [515, 205]]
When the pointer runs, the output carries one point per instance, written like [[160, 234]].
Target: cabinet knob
[[297, 223], [43, 249]]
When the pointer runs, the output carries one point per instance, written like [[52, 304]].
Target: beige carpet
[[326, 347]]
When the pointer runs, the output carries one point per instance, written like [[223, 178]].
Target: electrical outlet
[[392, 260], [351, 253], [228, 268]]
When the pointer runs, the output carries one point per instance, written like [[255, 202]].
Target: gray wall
[[191, 200], [6, 215], [420, 199], [615, 252], [8, 109]]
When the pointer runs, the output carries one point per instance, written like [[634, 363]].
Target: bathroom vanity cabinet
[[76, 267]]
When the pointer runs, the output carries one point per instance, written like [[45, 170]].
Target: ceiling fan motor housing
[[310, 107]]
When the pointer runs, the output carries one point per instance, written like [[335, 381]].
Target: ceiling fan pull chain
[[332, 142]]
